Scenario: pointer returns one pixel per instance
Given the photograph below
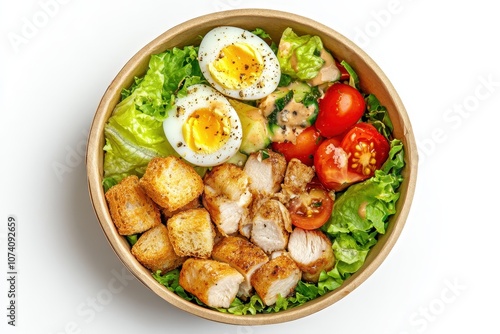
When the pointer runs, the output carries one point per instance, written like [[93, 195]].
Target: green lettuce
[[361, 213], [299, 56], [353, 76], [378, 116], [134, 133]]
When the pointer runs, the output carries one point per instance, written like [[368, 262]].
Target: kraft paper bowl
[[372, 80]]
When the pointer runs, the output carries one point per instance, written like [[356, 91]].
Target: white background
[[57, 59]]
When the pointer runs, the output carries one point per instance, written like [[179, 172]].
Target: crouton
[[154, 250], [171, 182], [192, 233], [132, 211]]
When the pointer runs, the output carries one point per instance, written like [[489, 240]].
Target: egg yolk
[[206, 130], [237, 66]]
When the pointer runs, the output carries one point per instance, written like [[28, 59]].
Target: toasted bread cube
[[171, 182], [154, 250], [131, 209], [278, 277], [214, 283], [192, 233]]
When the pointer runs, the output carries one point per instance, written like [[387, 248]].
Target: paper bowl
[[372, 80]]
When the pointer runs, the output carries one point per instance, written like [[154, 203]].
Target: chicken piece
[[312, 251], [277, 253], [227, 197], [271, 226], [257, 200], [192, 233], [297, 176], [132, 211], [214, 283], [154, 250], [277, 277], [266, 170], [171, 182], [242, 255]]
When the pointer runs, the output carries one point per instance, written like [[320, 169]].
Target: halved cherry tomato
[[362, 151], [366, 148], [312, 209], [344, 75], [340, 108], [330, 163], [306, 144]]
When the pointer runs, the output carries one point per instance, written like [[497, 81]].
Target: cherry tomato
[[306, 144], [344, 75], [312, 209], [330, 162], [366, 148], [362, 151], [339, 109]]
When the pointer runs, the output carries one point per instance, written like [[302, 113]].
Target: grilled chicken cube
[[297, 176], [257, 200], [266, 170], [214, 283], [227, 197], [242, 255], [312, 251], [271, 226], [278, 277]]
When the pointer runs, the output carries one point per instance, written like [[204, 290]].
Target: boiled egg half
[[203, 128], [238, 63]]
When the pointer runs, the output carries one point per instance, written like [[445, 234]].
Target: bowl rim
[[120, 247]]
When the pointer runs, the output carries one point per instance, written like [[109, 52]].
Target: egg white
[[218, 38], [198, 97]]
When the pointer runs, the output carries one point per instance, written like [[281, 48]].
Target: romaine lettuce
[[134, 132], [299, 56], [362, 211]]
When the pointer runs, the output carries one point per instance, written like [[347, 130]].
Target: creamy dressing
[[329, 71], [292, 120]]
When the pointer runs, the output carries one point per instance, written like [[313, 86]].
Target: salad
[[291, 97]]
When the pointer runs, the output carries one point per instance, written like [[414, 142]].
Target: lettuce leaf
[[378, 116], [299, 56], [353, 76], [361, 213], [134, 133]]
